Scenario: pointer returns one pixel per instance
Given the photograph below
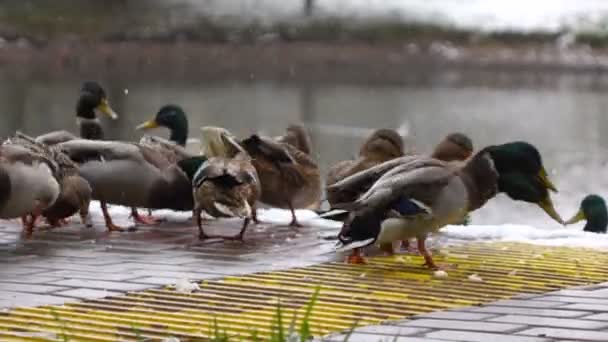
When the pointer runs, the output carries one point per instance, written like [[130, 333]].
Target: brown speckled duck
[[227, 184], [75, 192], [382, 145], [289, 177]]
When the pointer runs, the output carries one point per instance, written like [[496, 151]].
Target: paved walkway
[[71, 263], [112, 285], [567, 315]]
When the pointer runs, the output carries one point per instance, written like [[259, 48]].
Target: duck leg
[[428, 259], [387, 248], [254, 215], [106, 216], [355, 257], [199, 222], [294, 220], [143, 219], [27, 222], [84, 214], [239, 236]]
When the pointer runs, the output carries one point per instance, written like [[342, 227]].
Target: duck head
[[173, 118], [455, 146], [383, 143], [522, 175], [592, 209], [93, 100]]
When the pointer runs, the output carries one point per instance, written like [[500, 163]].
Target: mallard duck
[[297, 137], [413, 196], [173, 118], [454, 147], [289, 178], [75, 191], [227, 184], [28, 183], [92, 99], [592, 209], [133, 175], [382, 145]]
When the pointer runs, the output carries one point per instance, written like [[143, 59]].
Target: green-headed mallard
[[592, 209], [415, 195], [75, 191], [289, 178], [227, 184], [28, 183], [133, 175], [92, 99], [173, 118]]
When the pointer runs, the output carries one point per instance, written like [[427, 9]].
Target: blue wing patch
[[410, 207]]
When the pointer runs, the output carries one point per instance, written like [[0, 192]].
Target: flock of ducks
[[383, 196]]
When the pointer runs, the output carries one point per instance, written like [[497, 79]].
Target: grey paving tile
[[30, 288], [30, 279], [599, 317], [531, 312], [587, 307], [572, 334], [602, 293], [87, 293], [574, 300], [458, 315], [20, 270], [392, 330], [14, 299], [174, 275], [551, 322], [155, 280], [378, 338], [469, 336], [463, 325], [104, 285], [90, 275], [527, 303]]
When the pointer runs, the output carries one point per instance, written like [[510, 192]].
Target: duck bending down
[[413, 196], [75, 191], [92, 100], [28, 183], [593, 210], [289, 178], [174, 118], [226, 185], [132, 175]]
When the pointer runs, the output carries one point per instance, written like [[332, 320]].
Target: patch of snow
[[475, 278], [185, 286], [568, 237]]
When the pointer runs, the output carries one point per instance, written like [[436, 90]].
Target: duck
[[455, 147], [289, 177], [593, 210], [92, 99], [75, 192], [174, 118], [133, 175], [382, 145], [413, 196], [28, 183], [297, 137], [227, 184]]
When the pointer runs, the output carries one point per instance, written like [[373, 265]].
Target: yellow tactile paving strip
[[387, 288]]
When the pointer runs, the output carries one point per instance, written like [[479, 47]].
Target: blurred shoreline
[[403, 62]]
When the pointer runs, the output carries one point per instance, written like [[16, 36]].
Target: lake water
[[565, 116]]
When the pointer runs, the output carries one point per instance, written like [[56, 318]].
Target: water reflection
[[566, 120]]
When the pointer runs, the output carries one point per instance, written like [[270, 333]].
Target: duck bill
[[104, 107], [547, 205], [544, 178], [576, 218], [147, 125]]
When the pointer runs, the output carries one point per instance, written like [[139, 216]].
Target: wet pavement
[[72, 262]]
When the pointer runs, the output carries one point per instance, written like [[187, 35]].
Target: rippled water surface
[[564, 115]]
